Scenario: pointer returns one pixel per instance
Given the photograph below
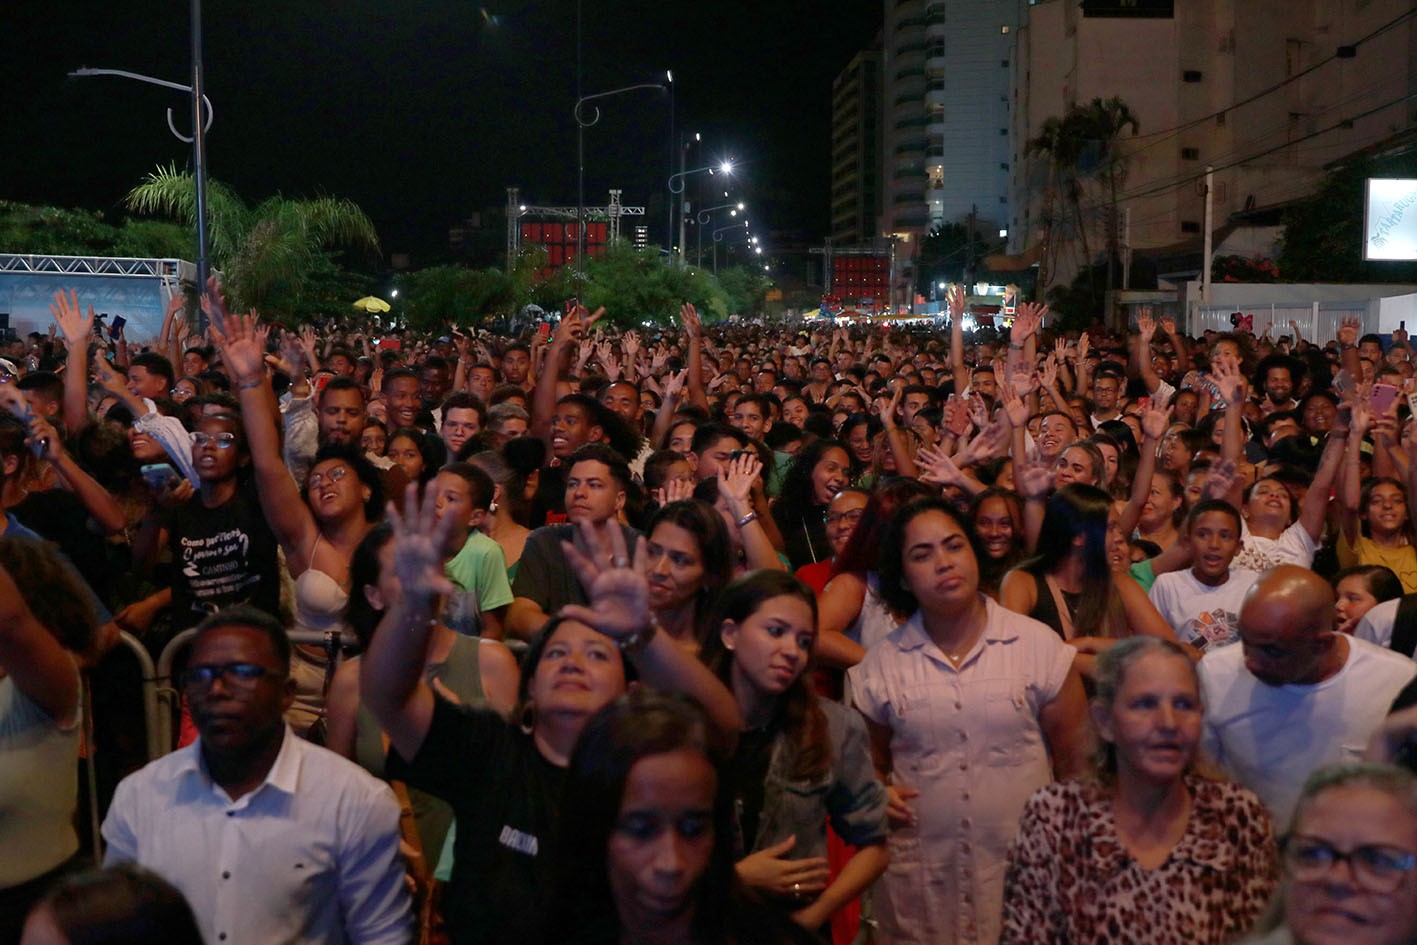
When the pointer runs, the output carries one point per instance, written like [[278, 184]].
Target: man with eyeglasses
[[223, 551], [1296, 694], [269, 837]]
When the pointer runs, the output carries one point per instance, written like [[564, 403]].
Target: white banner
[[1390, 219]]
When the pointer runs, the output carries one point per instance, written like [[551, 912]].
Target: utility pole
[[684, 207], [1205, 255], [969, 252], [1126, 249]]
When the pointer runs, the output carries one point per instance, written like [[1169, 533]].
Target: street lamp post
[[582, 123], [718, 238], [703, 218], [726, 167], [202, 121]]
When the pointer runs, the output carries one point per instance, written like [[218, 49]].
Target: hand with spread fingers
[[616, 586], [416, 548]]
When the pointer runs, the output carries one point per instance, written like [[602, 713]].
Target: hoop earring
[[527, 719]]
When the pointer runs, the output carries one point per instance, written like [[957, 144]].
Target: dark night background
[[423, 112]]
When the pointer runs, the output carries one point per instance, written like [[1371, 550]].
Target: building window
[[1004, 30], [1003, 165], [1190, 226], [1004, 132], [1190, 154], [1004, 63], [1191, 75]]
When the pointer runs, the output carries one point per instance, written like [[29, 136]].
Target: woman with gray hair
[[1350, 861], [1147, 847]]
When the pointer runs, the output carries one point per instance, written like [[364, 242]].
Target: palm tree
[[1107, 119], [266, 253]]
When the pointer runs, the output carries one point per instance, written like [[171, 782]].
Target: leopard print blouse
[[1071, 880]]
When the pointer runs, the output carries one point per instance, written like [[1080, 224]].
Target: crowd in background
[[709, 633]]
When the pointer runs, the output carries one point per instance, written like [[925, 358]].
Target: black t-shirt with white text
[[506, 797], [220, 557]]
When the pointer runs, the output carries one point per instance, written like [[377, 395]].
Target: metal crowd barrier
[[161, 698], [152, 723]]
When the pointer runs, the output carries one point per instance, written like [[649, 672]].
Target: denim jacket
[[848, 793]]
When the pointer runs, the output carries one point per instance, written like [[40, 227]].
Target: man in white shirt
[[273, 841], [1295, 695]]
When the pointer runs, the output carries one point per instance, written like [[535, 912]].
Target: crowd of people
[[744, 633]]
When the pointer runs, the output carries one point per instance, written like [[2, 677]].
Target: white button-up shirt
[[309, 856]]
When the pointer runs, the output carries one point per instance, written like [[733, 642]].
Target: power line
[[1155, 189], [1172, 132]]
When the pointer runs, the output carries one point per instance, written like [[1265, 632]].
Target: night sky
[[422, 111]]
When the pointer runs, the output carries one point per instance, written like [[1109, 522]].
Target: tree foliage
[[1083, 147], [1323, 236], [639, 285], [443, 295], [267, 253]]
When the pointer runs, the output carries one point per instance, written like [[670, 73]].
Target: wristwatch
[[637, 641]]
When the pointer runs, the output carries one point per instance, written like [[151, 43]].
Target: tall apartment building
[[856, 149], [946, 75], [1266, 91]]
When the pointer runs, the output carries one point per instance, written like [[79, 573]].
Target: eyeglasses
[[235, 675], [222, 441], [1376, 867], [317, 480], [850, 518]]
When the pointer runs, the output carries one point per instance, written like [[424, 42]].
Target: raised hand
[[690, 317], [630, 345], [1348, 331], [1225, 374], [1220, 480], [109, 379], [617, 588], [417, 546], [1032, 479], [1168, 324], [674, 384], [611, 365], [1027, 319], [214, 302], [70, 319], [1050, 372], [888, 415], [1084, 346], [241, 341], [675, 490], [991, 441], [736, 483], [955, 300], [1155, 421], [1014, 407], [936, 467], [1146, 326]]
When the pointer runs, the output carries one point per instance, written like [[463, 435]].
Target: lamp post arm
[[83, 73], [581, 102]]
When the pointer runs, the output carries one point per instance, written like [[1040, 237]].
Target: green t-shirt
[[480, 572]]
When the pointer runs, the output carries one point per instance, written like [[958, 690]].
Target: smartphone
[[390, 344], [117, 327], [1384, 396], [159, 475], [543, 331]]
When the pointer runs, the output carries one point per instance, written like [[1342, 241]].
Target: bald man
[[1295, 695]]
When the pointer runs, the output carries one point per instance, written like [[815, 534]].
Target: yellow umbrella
[[372, 303]]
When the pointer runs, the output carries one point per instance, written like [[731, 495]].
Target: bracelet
[[745, 520], [638, 640], [250, 385]]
